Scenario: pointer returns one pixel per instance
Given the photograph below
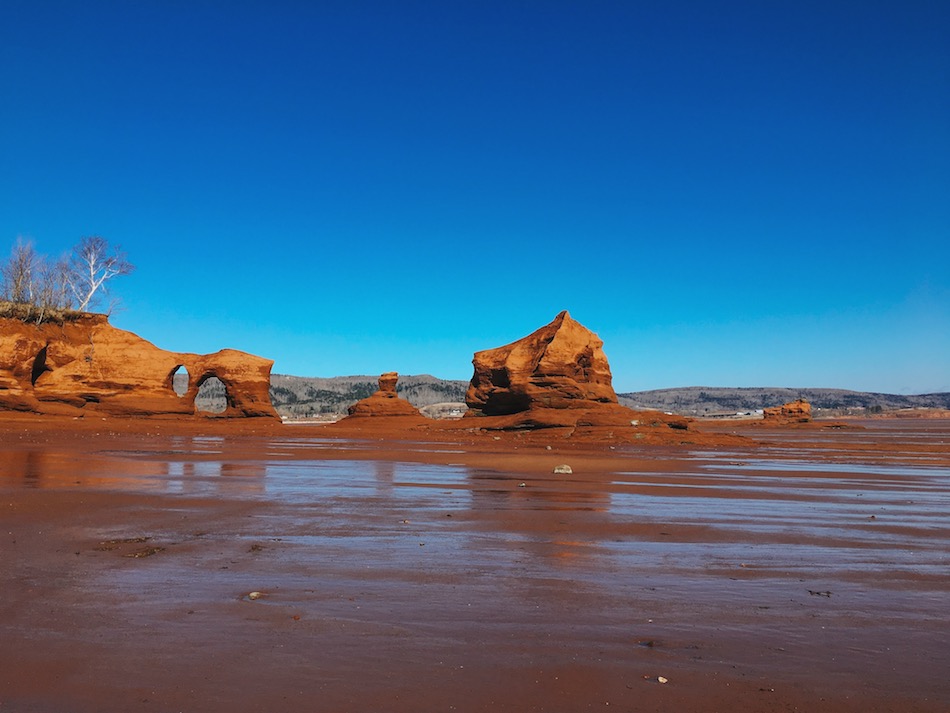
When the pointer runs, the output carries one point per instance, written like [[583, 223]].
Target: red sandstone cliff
[[87, 365]]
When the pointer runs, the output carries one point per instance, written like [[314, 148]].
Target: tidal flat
[[161, 566]]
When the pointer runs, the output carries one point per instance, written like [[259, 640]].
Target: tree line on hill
[[300, 397], [712, 401]]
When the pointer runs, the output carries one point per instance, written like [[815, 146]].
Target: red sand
[[424, 570]]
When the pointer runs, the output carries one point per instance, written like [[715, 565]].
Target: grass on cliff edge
[[38, 315]]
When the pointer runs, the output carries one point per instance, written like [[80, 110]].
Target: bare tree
[[19, 272], [42, 286], [51, 290], [92, 264]]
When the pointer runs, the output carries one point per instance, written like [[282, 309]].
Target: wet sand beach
[[220, 566]]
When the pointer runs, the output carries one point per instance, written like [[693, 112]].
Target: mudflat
[[241, 566]]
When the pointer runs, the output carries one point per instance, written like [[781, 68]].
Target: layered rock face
[[798, 411], [556, 377], [562, 365], [87, 365], [385, 401]]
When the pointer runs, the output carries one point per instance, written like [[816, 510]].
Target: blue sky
[[728, 193]]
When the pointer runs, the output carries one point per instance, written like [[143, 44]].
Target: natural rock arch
[[50, 368]]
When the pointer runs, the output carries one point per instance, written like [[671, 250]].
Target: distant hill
[[713, 400], [313, 397]]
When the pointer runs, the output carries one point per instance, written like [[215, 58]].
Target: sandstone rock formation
[[561, 365], [385, 401], [86, 365], [556, 377], [798, 411]]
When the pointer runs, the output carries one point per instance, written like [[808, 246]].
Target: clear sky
[[728, 193]]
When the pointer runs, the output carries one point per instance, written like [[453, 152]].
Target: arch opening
[[212, 395], [181, 380]]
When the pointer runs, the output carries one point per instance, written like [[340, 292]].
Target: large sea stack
[[561, 365], [557, 376]]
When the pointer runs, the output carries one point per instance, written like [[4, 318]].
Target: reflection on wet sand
[[385, 474], [49, 468], [797, 570], [765, 515], [216, 478], [536, 514]]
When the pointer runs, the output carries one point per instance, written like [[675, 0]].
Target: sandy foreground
[[209, 566]]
